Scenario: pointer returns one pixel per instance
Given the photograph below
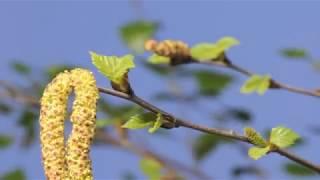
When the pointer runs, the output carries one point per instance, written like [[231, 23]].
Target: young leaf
[[283, 137], [113, 67], [151, 168], [17, 174], [257, 152], [156, 59], [264, 85], [205, 51], [226, 43], [296, 53], [157, 124], [21, 68], [257, 83], [140, 121], [255, 137], [134, 34], [208, 51], [5, 141], [211, 83], [298, 170]]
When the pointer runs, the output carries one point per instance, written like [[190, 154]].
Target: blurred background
[[38, 39]]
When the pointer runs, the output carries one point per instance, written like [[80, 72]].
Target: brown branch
[[216, 131], [274, 84]]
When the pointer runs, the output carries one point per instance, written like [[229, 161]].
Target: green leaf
[[211, 83], [226, 43], [53, 70], [5, 108], [205, 51], [156, 59], [20, 68], [28, 120], [140, 121], [5, 141], [298, 170], [151, 168], [113, 67], [134, 34], [204, 144], [255, 137], [17, 174], [208, 51], [257, 83], [238, 114], [283, 137], [246, 170], [257, 152], [157, 124], [295, 53], [101, 123]]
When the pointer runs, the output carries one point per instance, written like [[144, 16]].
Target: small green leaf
[[156, 59], [5, 141], [5, 108], [234, 113], [296, 53], [238, 171], [257, 83], [21, 68], [27, 121], [255, 137], [140, 121], [298, 170], [283, 137], [157, 124], [101, 123], [113, 67], [134, 34], [209, 51], [211, 83], [227, 42], [205, 51], [151, 168], [17, 174], [204, 144], [257, 152], [53, 70]]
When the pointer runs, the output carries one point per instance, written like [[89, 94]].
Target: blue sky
[[47, 33]]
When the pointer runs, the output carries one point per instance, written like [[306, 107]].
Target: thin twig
[[216, 131]]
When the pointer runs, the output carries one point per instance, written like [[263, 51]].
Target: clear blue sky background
[[46, 33]]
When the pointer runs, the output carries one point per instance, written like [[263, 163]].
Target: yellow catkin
[[168, 48], [72, 161]]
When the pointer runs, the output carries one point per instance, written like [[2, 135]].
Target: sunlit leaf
[[211, 83], [211, 51], [298, 170], [113, 67], [283, 137], [151, 168], [140, 121], [257, 152], [20, 68], [257, 83], [156, 59], [17, 174], [134, 34], [296, 53], [157, 124], [5, 141], [255, 137]]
